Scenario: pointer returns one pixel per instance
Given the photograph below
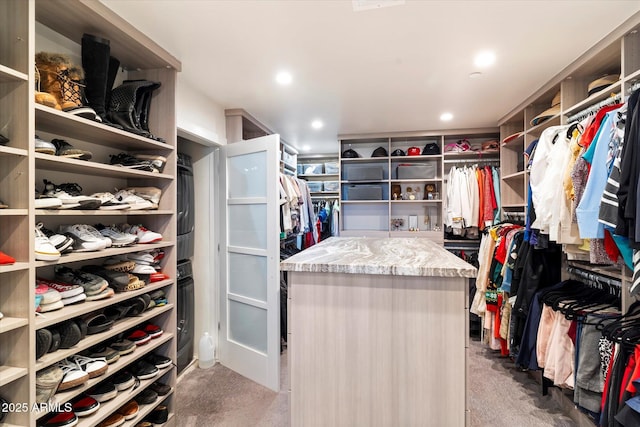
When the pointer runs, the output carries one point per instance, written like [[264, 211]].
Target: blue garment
[[589, 207], [496, 191]]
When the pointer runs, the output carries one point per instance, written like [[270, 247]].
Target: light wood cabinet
[[25, 26]]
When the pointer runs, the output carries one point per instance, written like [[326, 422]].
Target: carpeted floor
[[499, 396]]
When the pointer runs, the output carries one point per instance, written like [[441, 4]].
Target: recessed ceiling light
[[317, 124], [445, 117], [284, 78], [306, 148], [475, 75], [484, 59]]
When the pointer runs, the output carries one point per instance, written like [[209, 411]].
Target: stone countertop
[[384, 256]]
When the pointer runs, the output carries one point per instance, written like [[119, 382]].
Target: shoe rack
[[27, 27]]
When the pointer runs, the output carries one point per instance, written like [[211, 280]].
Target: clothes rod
[[594, 108], [467, 161], [594, 277]]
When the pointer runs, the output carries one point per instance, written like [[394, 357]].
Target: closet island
[[377, 333]]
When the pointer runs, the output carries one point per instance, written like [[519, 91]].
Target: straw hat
[[549, 112], [601, 83]]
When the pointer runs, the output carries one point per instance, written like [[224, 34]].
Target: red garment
[[590, 132], [573, 331], [489, 204], [628, 371], [480, 177], [631, 388], [610, 247]]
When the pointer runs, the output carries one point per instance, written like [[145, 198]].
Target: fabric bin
[[364, 192], [416, 171], [364, 173], [331, 186], [314, 185], [312, 169], [331, 167]]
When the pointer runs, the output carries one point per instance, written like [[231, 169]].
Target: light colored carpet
[[499, 396]]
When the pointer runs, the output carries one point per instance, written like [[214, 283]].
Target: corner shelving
[[24, 30]]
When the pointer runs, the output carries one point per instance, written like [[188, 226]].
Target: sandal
[[136, 306], [134, 283], [116, 312], [97, 323]]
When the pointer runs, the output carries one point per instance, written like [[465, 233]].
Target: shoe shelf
[[9, 75], [13, 212], [10, 323], [122, 363], [146, 410], [10, 373], [105, 253], [98, 212], [91, 340], [14, 267], [111, 406], [61, 164], [11, 151], [51, 318], [60, 123]]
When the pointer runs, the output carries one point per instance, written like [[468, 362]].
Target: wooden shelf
[[593, 99], [411, 158], [90, 340], [514, 205], [84, 256], [115, 367], [319, 175], [97, 212], [13, 212], [468, 155], [9, 374], [10, 151], [357, 202], [75, 310], [367, 181], [368, 159], [417, 201], [62, 164], [14, 267], [60, 123], [514, 176], [414, 180], [10, 323], [9, 75]]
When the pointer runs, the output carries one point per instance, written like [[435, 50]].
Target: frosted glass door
[[250, 256]]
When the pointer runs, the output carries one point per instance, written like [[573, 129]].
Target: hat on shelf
[[512, 137], [379, 152], [413, 151], [350, 154], [600, 83], [549, 112], [398, 152], [491, 145], [431, 148]]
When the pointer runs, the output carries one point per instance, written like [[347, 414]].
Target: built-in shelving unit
[[322, 173], [26, 27], [402, 195]]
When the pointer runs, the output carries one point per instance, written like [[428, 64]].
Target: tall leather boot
[[99, 75], [124, 100]]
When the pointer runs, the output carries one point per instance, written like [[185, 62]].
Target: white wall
[[201, 129]]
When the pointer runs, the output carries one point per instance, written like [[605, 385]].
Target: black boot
[[97, 69], [124, 100]]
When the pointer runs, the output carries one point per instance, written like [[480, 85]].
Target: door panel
[[250, 256]]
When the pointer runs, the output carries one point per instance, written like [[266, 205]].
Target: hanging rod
[[594, 108], [514, 214], [594, 277], [467, 161]]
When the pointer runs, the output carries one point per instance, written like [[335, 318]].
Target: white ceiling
[[378, 70]]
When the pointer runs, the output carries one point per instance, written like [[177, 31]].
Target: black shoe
[[55, 341], [123, 380], [4, 140], [147, 397], [160, 388], [159, 415], [44, 338], [128, 161], [104, 391], [158, 360], [70, 334], [144, 370]]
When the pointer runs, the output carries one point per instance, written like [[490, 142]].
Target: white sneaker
[[135, 202], [144, 235], [118, 238], [83, 240], [45, 250], [107, 241], [69, 193], [109, 202]]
